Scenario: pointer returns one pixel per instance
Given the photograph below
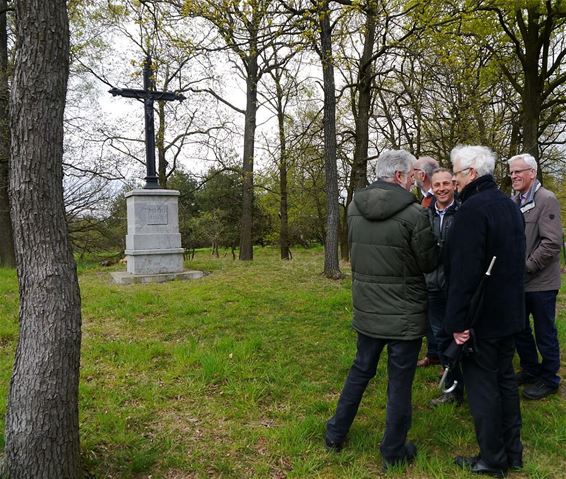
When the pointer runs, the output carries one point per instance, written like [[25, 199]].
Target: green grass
[[235, 374]]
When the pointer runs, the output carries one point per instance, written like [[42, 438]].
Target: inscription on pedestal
[[156, 215]]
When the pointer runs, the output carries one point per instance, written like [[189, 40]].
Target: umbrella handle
[[488, 272], [451, 388], [443, 378], [442, 382]]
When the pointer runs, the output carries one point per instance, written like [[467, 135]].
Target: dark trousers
[[542, 306], [436, 310], [493, 396], [401, 366], [436, 306]]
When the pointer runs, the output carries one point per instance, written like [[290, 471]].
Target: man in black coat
[[488, 224]]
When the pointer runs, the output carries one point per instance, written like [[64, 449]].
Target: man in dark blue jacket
[[441, 213], [488, 224]]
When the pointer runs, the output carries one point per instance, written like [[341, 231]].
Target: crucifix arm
[[143, 94]]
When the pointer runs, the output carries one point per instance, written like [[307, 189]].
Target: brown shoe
[[427, 361]]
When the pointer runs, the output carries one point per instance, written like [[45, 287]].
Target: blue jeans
[[542, 306], [401, 366]]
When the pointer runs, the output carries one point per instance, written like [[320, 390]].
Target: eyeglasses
[[461, 171], [516, 172]]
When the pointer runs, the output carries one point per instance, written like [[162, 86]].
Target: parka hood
[[381, 200]]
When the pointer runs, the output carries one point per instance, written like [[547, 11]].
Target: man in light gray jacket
[[543, 231]]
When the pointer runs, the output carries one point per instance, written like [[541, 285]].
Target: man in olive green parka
[[391, 246]]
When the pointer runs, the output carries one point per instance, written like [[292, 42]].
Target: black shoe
[[332, 446], [539, 390], [523, 377], [447, 398], [515, 463], [481, 467], [466, 462], [407, 458], [478, 466]]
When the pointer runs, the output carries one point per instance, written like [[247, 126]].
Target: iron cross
[[148, 95]]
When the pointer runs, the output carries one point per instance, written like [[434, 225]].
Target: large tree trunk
[[533, 87], [42, 429], [331, 265], [7, 256], [362, 113], [246, 225], [358, 178]]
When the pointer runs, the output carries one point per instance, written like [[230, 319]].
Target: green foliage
[[97, 235], [210, 209], [219, 200], [306, 203]]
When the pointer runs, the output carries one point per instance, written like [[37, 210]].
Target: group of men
[[420, 266]]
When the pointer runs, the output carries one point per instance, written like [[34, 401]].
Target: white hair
[[391, 161], [528, 159], [480, 158]]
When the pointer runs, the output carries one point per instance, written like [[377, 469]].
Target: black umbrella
[[454, 351]]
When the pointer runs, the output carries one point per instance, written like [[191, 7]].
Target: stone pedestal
[[153, 242]]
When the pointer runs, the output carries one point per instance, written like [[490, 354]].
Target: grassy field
[[235, 374]]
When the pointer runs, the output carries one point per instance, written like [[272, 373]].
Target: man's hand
[[461, 337]]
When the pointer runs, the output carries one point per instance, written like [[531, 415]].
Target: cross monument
[[153, 243], [148, 95]]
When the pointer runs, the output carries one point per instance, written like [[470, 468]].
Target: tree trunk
[[358, 178], [42, 428], [514, 144], [362, 113], [532, 91], [344, 246], [283, 193], [284, 209], [7, 256], [246, 226], [331, 265]]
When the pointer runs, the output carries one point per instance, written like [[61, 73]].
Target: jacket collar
[[485, 182], [530, 199], [451, 209]]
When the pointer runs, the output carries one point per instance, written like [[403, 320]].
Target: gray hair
[[391, 161], [528, 159], [480, 158], [428, 164]]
